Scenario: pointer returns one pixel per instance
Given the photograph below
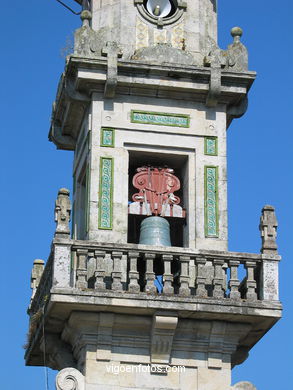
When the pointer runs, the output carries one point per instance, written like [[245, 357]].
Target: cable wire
[[44, 353], [70, 9]]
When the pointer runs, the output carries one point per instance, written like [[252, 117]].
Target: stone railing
[[41, 290], [85, 266], [206, 274], [141, 269]]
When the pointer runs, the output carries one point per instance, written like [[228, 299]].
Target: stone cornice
[[83, 76]]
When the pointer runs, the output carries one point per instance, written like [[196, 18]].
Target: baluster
[[224, 271], [234, 282], [133, 274], [100, 270], [200, 281], [81, 272], [150, 288], [167, 277], [116, 274], [184, 289], [250, 282], [218, 281]]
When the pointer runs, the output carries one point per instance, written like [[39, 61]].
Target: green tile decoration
[[211, 146], [73, 233], [106, 193], [107, 137], [211, 202], [87, 198], [159, 118]]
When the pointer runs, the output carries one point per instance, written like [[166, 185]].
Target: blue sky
[[259, 165]]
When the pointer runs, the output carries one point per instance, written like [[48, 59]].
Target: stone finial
[[86, 17], [87, 42], [62, 213], [268, 229], [237, 52], [236, 33], [37, 272]]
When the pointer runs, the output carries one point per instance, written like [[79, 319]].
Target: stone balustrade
[[151, 270], [207, 274], [122, 269], [41, 290]]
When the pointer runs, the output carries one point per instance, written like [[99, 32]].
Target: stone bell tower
[[142, 292]]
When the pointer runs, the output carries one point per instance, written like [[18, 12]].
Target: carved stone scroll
[[70, 378], [244, 386]]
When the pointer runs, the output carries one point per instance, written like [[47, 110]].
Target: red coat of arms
[[156, 190]]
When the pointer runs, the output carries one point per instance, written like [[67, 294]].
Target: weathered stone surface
[[141, 349], [87, 42], [163, 53]]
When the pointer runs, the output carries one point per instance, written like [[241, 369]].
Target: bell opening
[[179, 164]]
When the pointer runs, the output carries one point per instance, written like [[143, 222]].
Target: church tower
[[140, 291]]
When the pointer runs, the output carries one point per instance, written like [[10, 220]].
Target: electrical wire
[[70, 9], [44, 353]]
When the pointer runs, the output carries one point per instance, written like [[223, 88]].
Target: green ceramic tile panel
[[106, 193], [211, 146], [211, 202], [160, 118], [107, 137]]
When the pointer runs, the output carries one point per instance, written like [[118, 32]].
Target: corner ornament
[[268, 230], [62, 213], [70, 379], [234, 59]]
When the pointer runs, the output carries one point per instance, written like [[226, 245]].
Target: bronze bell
[[155, 231]]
